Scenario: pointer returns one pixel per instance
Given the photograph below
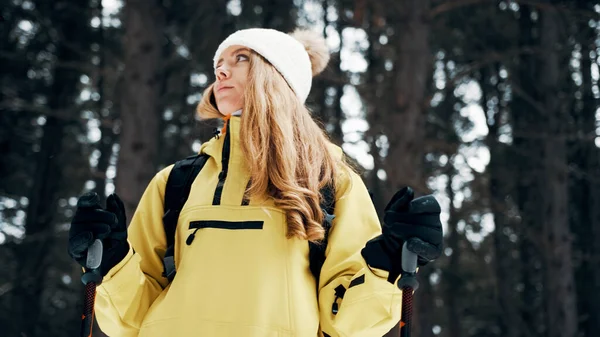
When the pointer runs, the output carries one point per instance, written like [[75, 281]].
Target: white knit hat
[[298, 57]]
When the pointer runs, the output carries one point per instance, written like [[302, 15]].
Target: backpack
[[177, 191]]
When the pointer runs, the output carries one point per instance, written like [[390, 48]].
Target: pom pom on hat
[[298, 56], [316, 47]]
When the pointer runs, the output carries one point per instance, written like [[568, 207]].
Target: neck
[[226, 118]]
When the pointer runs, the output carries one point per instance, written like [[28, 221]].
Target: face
[[231, 76]]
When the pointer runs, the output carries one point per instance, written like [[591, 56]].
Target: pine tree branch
[[492, 58], [527, 98], [456, 4], [448, 6], [22, 106], [83, 67]]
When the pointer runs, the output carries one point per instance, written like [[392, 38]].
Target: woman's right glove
[[404, 219], [92, 222]]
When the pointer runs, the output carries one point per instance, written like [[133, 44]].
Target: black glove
[[405, 218], [92, 222]]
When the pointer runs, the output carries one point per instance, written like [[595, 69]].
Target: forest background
[[490, 105]]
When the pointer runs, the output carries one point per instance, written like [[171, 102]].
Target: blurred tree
[[526, 150], [560, 293], [140, 101], [106, 81], [584, 170], [453, 285], [328, 87], [125, 83], [375, 90], [187, 72], [67, 32], [404, 125], [500, 185]]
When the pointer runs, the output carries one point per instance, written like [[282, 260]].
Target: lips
[[221, 88]]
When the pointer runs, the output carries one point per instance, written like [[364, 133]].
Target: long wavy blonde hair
[[291, 156]]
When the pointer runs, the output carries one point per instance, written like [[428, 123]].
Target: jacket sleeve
[[130, 288], [370, 305]]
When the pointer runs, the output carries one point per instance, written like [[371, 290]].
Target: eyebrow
[[234, 52]]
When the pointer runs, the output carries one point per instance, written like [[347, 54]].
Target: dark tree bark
[[500, 186], [396, 110], [404, 127], [374, 92], [279, 14], [326, 107], [33, 252], [526, 152], [584, 192], [140, 102], [561, 306], [452, 280], [107, 139], [549, 301]]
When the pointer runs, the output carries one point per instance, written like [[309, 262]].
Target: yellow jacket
[[240, 276]]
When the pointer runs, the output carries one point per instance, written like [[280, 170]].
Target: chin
[[228, 110]]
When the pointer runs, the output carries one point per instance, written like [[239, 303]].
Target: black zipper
[[220, 224], [340, 291], [224, 167], [190, 238]]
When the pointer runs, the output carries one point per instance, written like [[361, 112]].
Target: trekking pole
[[91, 278], [411, 250]]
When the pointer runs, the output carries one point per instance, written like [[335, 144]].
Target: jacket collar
[[214, 146]]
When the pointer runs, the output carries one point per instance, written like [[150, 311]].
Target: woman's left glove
[[404, 219], [92, 222]]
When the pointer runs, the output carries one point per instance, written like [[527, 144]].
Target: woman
[[250, 212]]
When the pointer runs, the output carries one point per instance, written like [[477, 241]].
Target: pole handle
[[87, 318], [409, 265], [91, 278], [94, 255], [408, 282], [409, 258]]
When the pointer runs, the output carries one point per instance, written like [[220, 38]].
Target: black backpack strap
[[316, 253], [177, 190]]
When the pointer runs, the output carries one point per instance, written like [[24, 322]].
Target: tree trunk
[[34, 251], [376, 86], [453, 284], [584, 193], [561, 303], [38, 228], [105, 145], [327, 108], [280, 15], [140, 115], [405, 126], [526, 152], [593, 320], [540, 144], [500, 185]]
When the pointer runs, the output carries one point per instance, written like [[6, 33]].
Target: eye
[[241, 57]]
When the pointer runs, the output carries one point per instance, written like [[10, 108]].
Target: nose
[[222, 73]]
